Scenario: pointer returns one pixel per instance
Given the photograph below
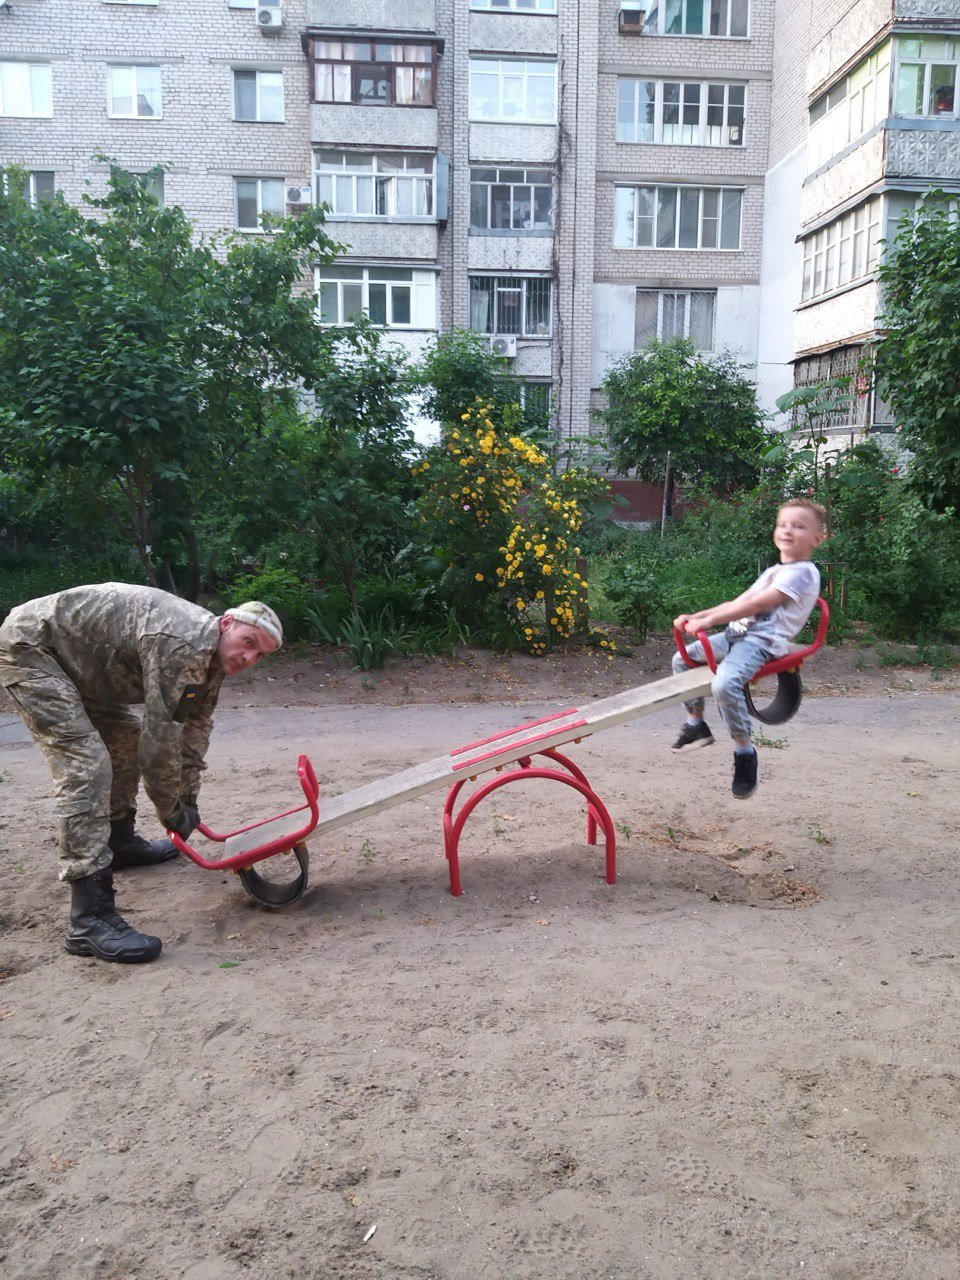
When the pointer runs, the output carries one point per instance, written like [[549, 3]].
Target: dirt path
[[741, 1061]]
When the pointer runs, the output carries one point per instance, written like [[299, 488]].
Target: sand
[[743, 1060]]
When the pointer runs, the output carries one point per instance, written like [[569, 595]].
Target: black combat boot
[[98, 929], [131, 850]]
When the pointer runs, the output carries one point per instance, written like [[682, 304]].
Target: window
[[516, 6], [519, 92], [26, 89], [927, 72], [242, 4], [258, 95], [663, 314], [697, 18], [511, 199], [133, 93], [512, 304], [35, 186], [677, 217], [361, 184], [376, 73], [851, 108], [846, 250], [258, 199], [689, 113], [536, 401], [394, 297]]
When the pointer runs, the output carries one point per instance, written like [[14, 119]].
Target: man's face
[[241, 646]]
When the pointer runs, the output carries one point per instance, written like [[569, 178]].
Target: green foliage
[[918, 361], [635, 591], [136, 363], [904, 558], [460, 370], [811, 407], [283, 591], [704, 413]]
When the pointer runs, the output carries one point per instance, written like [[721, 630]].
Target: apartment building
[[883, 130], [571, 178]]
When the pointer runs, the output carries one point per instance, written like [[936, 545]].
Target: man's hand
[[185, 818]]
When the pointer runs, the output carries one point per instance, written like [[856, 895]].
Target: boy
[[760, 623]]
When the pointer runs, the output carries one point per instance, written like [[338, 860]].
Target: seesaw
[[285, 834]]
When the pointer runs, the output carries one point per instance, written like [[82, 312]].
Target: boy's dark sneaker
[[693, 735], [744, 773]]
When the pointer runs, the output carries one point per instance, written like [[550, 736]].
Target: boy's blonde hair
[[808, 505]]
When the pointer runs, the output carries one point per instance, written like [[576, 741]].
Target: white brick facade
[[793, 52]]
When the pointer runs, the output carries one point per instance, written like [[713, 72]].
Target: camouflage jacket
[[132, 645]]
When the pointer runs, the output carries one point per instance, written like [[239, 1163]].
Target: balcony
[[373, 15], [335, 124]]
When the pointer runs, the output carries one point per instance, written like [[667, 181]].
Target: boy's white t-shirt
[[800, 583]]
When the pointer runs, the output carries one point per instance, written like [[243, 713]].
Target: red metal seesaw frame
[[283, 833], [568, 773]]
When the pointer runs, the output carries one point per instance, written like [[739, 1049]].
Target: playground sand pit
[[743, 1060]]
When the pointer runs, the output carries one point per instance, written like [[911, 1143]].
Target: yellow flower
[[478, 577], [521, 604], [546, 569], [465, 417]]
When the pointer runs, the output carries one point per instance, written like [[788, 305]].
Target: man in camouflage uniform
[[73, 663]]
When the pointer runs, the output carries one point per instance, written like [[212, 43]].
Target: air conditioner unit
[[504, 344], [269, 19], [631, 19], [300, 194]]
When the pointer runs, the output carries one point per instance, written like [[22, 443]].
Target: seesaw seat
[[269, 838], [786, 700]]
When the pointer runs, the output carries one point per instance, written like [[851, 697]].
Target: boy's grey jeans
[[742, 659]]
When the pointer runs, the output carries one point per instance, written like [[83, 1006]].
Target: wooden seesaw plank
[[502, 749]]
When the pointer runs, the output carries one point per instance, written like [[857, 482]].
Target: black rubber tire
[[785, 702], [272, 895]]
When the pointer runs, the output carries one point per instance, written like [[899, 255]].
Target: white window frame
[[514, 6], [633, 94], [661, 219], [30, 187], [844, 252], [928, 62], [134, 68], [497, 286], [419, 285], [691, 17], [850, 108], [386, 185], [259, 85], [38, 86], [678, 301], [524, 184], [508, 70], [259, 229]]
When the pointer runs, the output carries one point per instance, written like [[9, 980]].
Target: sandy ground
[[743, 1060]]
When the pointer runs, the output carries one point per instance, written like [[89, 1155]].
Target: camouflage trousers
[[90, 746]]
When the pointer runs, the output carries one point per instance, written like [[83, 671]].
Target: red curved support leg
[[578, 773], [453, 827]]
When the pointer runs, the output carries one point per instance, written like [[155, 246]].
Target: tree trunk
[[667, 493]]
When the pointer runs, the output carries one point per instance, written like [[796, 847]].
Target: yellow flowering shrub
[[505, 527]]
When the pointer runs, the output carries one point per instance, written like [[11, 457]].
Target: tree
[[672, 413], [139, 366], [460, 371], [918, 359]]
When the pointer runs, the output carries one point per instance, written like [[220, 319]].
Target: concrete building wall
[[196, 47]]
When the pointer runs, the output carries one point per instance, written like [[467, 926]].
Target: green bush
[[283, 591]]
